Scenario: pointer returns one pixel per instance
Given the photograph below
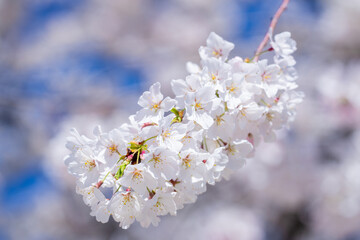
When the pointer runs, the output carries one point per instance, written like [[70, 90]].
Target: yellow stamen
[[270, 116], [186, 138], [231, 150], [155, 106], [126, 198], [243, 113], [89, 165], [219, 120], [186, 161], [137, 174], [166, 134], [213, 77], [198, 106], [156, 159], [232, 88], [113, 148], [266, 77], [217, 53]]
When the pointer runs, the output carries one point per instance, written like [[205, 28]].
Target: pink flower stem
[[273, 23]]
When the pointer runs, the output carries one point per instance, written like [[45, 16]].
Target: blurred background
[[80, 63]]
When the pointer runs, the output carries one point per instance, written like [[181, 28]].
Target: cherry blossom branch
[[273, 23], [144, 169]]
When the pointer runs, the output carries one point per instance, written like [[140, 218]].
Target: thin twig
[[273, 23]]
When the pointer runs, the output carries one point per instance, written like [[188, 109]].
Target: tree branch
[[273, 23]]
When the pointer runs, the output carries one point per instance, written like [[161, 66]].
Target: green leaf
[[175, 111], [134, 146], [121, 170], [179, 115]]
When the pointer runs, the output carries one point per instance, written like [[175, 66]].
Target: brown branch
[[98, 184], [273, 23]]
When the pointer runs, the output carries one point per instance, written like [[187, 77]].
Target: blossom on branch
[[173, 148]]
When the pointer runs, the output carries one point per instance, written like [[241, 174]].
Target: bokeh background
[[80, 63]]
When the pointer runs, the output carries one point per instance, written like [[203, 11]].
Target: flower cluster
[[170, 149]]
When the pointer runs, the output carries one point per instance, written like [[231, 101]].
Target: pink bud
[[250, 138], [148, 124]]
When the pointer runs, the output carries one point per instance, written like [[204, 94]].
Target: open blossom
[[170, 134], [216, 47], [85, 165], [138, 178], [163, 163], [113, 143], [153, 102], [161, 204], [199, 104], [172, 148], [283, 44], [100, 210], [125, 207], [222, 126], [182, 88]]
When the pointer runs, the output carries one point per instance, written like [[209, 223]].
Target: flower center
[[155, 106], [126, 198], [242, 112], [113, 148], [156, 159], [217, 53], [89, 165], [232, 88], [219, 120], [265, 77], [198, 106], [270, 116], [213, 77], [186, 161], [231, 149], [137, 174], [166, 134]]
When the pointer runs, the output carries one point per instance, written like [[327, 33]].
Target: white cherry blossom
[[101, 210], [169, 151], [138, 178], [125, 207], [199, 104], [283, 44], [216, 47], [163, 163], [153, 102], [85, 165]]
